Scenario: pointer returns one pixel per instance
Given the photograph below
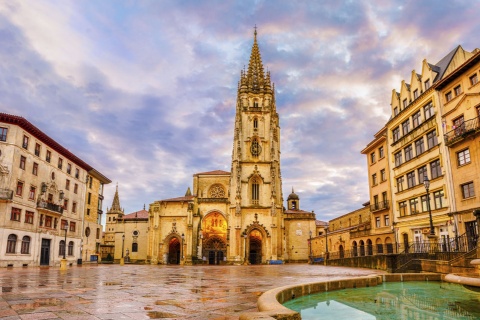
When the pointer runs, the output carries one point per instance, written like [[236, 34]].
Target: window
[[398, 158], [374, 179], [90, 182], [386, 219], [383, 175], [372, 157], [88, 212], [255, 190], [67, 184], [72, 225], [375, 200], [29, 217], [11, 243], [381, 153], [77, 173], [60, 163], [255, 148], [25, 142], [406, 127], [463, 157], [458, 90], [35, 169], [37, 149], [255, 123], [63, 224], [48, 221], [75, 188], [419, 147], [408, 153], [428, 111], [15, 215], [467, 190], [411, 179], [48, 156], [432, 139], [414, 206], [395, 111], [404, 103], [402, 207], [438, 196], [435, 169], [448, 96], [69, 168], [31, 194], [415, 94], [384, 197], [89, 199], [70, 248], [65, 204], [427, 84], [61, 248], [473, 81], [422, 172], [19, 190], [25, 245], [400, 184], [134, 247], [396, 134], [424, 201], [377, 222], [98, 233], [416, 119], [74, 207], [3, 134], [23, 160]]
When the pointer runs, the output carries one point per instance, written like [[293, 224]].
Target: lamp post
[[183, 250], [122, 259], [245, 262], [426, 183], [63, 262], [326, 244], [310, 245]]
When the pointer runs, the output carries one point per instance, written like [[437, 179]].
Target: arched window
[[26, 245], [134, 247], [70, 248], [61, 248], [255, 190], [255, 104], [255, 148], [255, 123], [11, 243]]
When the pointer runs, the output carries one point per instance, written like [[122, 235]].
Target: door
[[45, 252], [471, 230], [405, 242], [444, 239]]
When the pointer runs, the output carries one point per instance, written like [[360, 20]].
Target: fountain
[[469, 279]]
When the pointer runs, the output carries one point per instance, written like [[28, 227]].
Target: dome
[[293, 196]]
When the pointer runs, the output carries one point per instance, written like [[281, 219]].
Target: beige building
[[459, 95], [235, 217], [132, 234], [42, 197]]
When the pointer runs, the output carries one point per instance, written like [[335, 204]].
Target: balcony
[[459, 133], [383, 205], [42, 205], [6, 194]]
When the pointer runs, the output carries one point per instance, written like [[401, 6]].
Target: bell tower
[[256, 183]]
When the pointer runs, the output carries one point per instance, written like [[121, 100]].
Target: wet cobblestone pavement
[[149, 292]]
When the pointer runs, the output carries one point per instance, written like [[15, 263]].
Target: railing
[[50, 206], [6, 194], [466, 128], [380, 206]]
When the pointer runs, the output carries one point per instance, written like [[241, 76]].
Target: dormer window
[[404, 103], [395, 111], [427, 84], [415, 94]]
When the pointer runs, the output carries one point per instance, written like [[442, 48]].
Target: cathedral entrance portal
[[255, 256], [215, 249], [214, 232], [174, 251]]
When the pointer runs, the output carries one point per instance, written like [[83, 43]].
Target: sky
[[145, 91]]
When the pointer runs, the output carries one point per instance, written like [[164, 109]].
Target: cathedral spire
[[116, 202], [255, 74]]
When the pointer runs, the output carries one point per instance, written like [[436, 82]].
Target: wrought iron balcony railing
[[466, 128], [50, 206], [380, 206]]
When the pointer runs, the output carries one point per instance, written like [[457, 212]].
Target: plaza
[[150, 292]]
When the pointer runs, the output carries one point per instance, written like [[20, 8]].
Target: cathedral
[[235, 217]]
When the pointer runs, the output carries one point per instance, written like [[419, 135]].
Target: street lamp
[[426, 183], [326, 243], [310, 244], [245, 247], [65, 243], [123, 243], [183, 250]]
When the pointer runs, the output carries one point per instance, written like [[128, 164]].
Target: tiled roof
[[179, 199], [298, 211], [213, 173], [321, 223], [142, 214]]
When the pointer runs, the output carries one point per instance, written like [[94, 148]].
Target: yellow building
[[459, 95], [416, 151]]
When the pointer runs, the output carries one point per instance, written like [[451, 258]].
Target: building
[[132, 233], [238, 216], [42, 197], [113, 214]]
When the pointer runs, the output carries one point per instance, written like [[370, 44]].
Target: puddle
[[6, 289], [112, 283], [160, 315]]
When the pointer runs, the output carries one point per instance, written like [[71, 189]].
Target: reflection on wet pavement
[[149, 292]]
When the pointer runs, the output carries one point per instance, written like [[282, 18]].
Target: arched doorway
[[215, 249], [369, 247], [362, 248], [174, 251], [389, 245], [255, 252], [379, 246], [342, 253], [354, 248]]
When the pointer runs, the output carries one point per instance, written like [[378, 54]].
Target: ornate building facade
[[235, 217]]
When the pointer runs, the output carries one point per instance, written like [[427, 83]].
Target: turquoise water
[[393, 300]]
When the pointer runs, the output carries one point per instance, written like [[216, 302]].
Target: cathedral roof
[[214, 172], [139, 215], [179, 199]]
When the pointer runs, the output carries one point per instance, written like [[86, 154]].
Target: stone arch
[[354, 248], [361, 244], [379, 245], [213, 240], [389, 245], [369, 248], [173, 248], [256, 243]]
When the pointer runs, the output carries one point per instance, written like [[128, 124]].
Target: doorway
[[174, 251], [215, 249], [255, 252], [45, 252]]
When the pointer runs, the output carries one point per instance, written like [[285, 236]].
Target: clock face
[[255, 148]]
